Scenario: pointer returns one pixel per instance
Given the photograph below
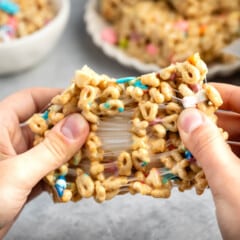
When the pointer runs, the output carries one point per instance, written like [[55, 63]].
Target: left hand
[[21, 166]]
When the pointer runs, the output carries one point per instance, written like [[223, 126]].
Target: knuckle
[[203, 139], [57, 148]]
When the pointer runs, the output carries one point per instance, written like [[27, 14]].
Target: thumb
[[203, 139], [59, 145]]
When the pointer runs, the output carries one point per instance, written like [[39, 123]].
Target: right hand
[[220, 163]]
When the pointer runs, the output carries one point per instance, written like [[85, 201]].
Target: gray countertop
[[183, 216]]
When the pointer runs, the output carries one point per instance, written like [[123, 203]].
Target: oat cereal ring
[[213, 95], [140, 159], [114, 183], [153, 179], [55, 117], [150, 80], [37, 124], [167, 91], [135, 92], [100, 192], [161, 193], [142, 188], [124, 164], [96, 168], [158, 145], [185, 90], [112, 107], [91, 117], [188, 73], [88, 95], [167, 72], [85, 185], [139, 142], [172, 108], [170, 122], [159, 131], [111, 92], [139, 127], [156, 96], [148, 110], [200, 182]]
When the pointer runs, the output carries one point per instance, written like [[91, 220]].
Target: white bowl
[[23, 53]]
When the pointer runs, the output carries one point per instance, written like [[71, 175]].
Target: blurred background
[[183, 216]]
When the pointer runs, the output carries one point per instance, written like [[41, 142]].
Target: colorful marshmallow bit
[[181, 25], [9, 7], [191, 101], [188, 155], [125, 79], [152, 49], [169, 176], [45, 115], [60, 185], [139, 84], [109, 35], [123, 43]]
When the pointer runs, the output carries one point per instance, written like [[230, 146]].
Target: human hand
[[21, 166], [220, 163]]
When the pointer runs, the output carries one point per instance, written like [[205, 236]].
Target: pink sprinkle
[[151, 49], [135, 37], [109, 35], [195, 87], [156, 121], [12, 22], [173, 76], [181, 25]]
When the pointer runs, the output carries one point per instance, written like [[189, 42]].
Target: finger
[[202, 137], [230, 95], [229, 121], [59, 145], [26, 102]]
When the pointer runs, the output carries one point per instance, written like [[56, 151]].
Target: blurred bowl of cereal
[[28, 31]]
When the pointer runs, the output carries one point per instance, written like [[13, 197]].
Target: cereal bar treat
[[133, 145], [196, 8], [112, 9], [155, 32], [178, 37], [19, 18]]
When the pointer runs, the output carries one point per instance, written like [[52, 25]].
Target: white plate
[[95, 24]]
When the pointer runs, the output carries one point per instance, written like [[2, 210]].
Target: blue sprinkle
[[139, 84], [9, 7], [188, 155], [45, 115], [144, 164], [125, 80], [60, 185], [121, 110], [107, 105]]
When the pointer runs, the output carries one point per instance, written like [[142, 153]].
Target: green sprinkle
[[107, 105], [144, 164], [123, 43]]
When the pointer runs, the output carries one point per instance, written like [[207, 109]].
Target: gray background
[[183, 216]]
